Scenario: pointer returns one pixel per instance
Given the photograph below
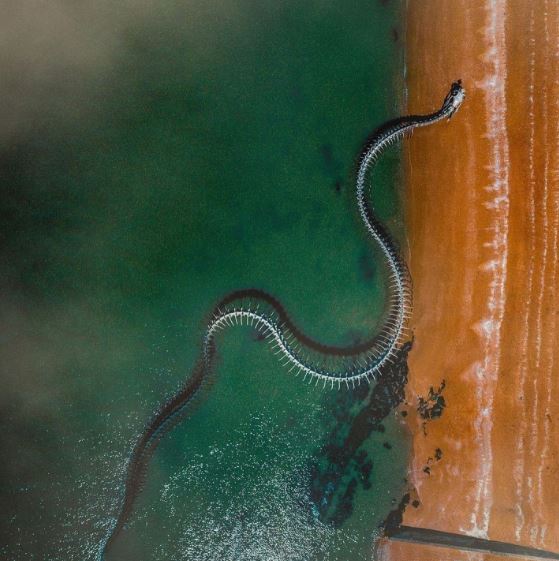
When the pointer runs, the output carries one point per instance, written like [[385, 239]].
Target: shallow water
[[215, 155]]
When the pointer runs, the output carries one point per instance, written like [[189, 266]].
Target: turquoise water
[[218, 154]]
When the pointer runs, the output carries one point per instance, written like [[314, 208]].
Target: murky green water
[[218, 154]]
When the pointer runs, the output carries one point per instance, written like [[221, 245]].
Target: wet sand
[[483, 221]]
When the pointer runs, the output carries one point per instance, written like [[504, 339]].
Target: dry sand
[[483, 222]]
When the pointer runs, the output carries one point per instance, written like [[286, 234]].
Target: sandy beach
[[483, 220]]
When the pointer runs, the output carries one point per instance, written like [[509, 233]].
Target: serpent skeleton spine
[[295, 350]]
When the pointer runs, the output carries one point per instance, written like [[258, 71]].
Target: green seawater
[[218, 153]]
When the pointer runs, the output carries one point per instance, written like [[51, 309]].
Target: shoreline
[[482, 209]]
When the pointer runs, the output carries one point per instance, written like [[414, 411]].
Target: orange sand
[[483, 219]]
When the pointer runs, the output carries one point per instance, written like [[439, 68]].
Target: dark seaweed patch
[[433, 406], [394, 519], [342, 465]]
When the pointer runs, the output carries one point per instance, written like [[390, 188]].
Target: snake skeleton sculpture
[[333, 366]]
